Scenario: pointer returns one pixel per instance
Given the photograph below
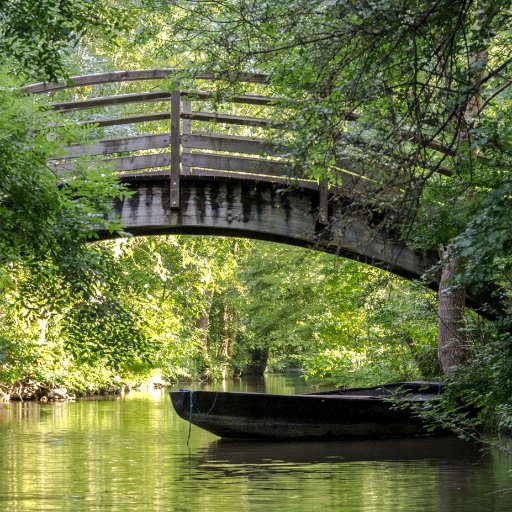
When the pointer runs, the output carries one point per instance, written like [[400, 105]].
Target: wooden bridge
[[200, 160]]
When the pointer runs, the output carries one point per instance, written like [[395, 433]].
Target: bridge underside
[[265, 210], [272, 211]]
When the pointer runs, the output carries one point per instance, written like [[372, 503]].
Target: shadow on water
[[445, 448], [440, 474]]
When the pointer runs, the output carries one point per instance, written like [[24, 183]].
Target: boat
[[386, 411]]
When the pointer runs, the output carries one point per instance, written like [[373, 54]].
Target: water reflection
[[279, 384], [131, 454], [415, 474], [446, 448]]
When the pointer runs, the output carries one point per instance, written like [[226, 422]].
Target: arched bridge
[[202, 161]]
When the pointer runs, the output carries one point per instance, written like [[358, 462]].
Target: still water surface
[[131, 455]]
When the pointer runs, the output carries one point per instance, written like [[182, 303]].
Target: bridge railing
[[173, 134], [159, 129]]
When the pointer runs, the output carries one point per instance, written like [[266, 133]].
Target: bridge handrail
[[218, 152], [162, 73], [213, 152], [146, 97], [136, 75]]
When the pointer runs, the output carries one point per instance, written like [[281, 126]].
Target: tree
[[336, 320], [35, 35], [45, 219], [381, 88]]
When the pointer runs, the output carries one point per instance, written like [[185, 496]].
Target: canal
[[131, 454]]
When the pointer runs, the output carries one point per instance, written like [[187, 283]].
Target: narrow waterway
[[131, 454]]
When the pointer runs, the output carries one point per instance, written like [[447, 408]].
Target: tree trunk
[[203, 324], [451, 343], [258, 362], [226, 339], [452, 347]]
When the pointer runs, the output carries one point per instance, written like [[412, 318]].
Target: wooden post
[[323, 209], [186, 108], [175, 149]]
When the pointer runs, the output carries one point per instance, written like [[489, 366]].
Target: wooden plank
[[250, 176], [323, 208], [208, 173], [175, 149], [193, 116], [230, 143], [100, 78], [139, 74], [214, 117], [247, 99], [124, 163], [136, 118], [146, 97], [119, 145], [132, 163], [186, 108], [285, 180], [203, 160], [214, 142], [240, 164], [118, 99]]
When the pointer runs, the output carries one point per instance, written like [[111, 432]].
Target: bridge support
[[175, 149]]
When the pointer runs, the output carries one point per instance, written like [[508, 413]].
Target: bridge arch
[[265, 210]]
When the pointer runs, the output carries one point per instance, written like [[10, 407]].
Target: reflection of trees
[[132, 455]]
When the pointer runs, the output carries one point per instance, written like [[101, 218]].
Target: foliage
[[35, 34], [415, 96], [337, 320], [43, 213], [45, 267], [477, 395]]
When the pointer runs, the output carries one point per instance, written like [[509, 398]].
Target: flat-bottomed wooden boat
[[377, 412]]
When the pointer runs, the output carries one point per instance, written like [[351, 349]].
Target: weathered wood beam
[[124, 163], [193, 116], [222, 175], [214, 117], [146, 97], [230, 143], [186, 107], [323, 208], [240, 164], [283, 180], [175, 149], [105, 101], [203, 160], [246, 99], [119, 145], [259, 209], [139, 74], [133, 119]]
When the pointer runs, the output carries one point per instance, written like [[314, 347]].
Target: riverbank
[[27, 389]]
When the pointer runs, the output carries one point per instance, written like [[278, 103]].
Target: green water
[[131, 454]]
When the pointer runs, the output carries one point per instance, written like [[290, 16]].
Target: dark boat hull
[[345, 414]]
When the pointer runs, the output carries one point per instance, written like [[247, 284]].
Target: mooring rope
[[213, 405], [191, 401], [190, 407]]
